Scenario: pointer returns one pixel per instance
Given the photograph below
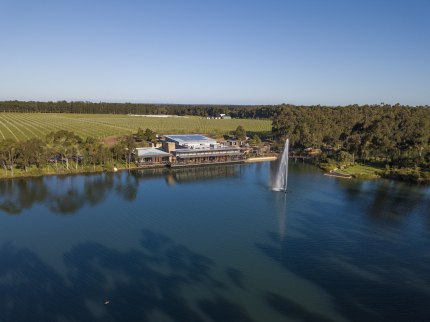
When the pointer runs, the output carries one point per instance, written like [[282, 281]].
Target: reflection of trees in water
[[394, 202], [16, 195], [127, 186], [352, 188], [427, 216], [68, 194], [140, 284], [385, 200], [64, 194]]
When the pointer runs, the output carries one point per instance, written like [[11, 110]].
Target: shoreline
[[377, 174], [361, 171], [120, 167], [23, 175], [261, 159], [338, 175]]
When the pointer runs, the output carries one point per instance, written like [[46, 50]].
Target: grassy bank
[[362, 171], [375, 170], [358, 171], [60, 169], [414, 175]]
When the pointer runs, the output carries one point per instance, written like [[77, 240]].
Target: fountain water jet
[[281, 179]]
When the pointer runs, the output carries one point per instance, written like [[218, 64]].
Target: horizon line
[[210, 104]]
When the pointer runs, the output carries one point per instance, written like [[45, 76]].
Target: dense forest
[[235, 111], [396, 136]]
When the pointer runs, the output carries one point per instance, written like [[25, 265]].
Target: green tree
[[344, 157], [65, 143], [124, 149], [95, 152], [150, 136], [31, 152], [140, 136], [147, 135], [240, 133], [129, 146], [8, 154], [255, 139], [90, 151]]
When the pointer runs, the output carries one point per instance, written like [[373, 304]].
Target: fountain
[[280, 183]]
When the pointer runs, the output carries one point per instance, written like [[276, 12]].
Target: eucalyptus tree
[[90, 151], [124, 149], [240, 133], [95, 152], [31, 152], [129, 145], [64, 143], [8, 155]]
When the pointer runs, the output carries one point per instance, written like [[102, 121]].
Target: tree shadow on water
[[105, 284], [292, 310], [362, 284], [236, 277], [64, 195], [31, 290], [222, 310]]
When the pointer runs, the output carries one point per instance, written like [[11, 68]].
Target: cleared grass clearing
[[363, 171], [21, 126]]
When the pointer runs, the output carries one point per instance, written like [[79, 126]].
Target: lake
[[213, 244]]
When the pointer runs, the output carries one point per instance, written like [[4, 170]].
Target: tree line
[[397, 135], [63, 151], [235, 111]]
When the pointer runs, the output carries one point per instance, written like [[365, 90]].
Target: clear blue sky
[[215, 51]]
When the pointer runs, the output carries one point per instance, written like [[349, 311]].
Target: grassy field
[[22, 126]]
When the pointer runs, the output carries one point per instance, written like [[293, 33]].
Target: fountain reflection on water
[[281, 208]]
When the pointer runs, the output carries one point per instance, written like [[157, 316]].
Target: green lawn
[[22, 126], [363, 171]]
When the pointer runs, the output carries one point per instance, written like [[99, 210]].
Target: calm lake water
[[213, 244]]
